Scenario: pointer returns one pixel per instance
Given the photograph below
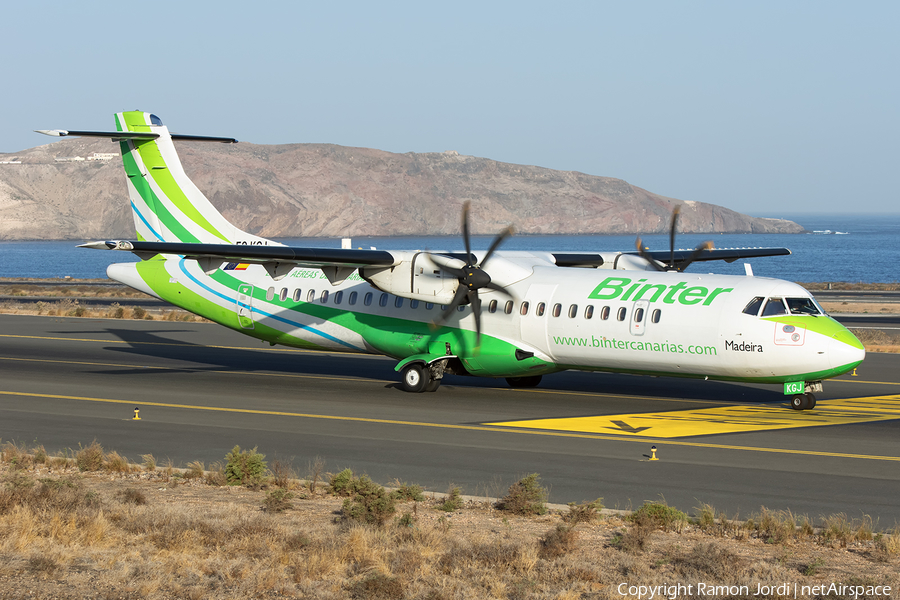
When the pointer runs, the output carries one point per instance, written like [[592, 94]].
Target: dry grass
[[152, 534]]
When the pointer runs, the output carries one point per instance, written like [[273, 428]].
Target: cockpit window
[[774, 306], [154, 120], [752, 307], [803, 306]]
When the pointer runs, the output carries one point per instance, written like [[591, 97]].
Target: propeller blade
[[499, 288], [451, 265], [672, 236], [458, 297], [476, 312], [697, 252], [496, 243], [643, 252], [465, 231]]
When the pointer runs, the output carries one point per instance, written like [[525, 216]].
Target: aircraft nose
[[845, 351]]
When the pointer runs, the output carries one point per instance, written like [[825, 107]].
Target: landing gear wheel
[[524, 382], [433, 385], [415, 378], [798, 401], [810, 401]]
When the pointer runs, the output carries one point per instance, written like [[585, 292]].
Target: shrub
[[583, 513], [283, 474], [132, 496], [342, 483], [660, 516], [559, 541], [149, 462], [377, 586], [525, 497], [39, 455], [195, 470], [245, 467], [138, 312], [278, 500], [406, 492], [216, 475], [453, 502], [90, 458], [369, 504], [116, 463]]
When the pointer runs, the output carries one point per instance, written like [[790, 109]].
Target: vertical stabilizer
[[166, 205]]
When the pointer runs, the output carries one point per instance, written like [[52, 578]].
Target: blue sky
[[768, 108]]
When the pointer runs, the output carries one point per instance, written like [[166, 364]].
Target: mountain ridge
[[326, 190]]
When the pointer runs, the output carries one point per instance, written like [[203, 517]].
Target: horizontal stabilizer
[[133, 135]]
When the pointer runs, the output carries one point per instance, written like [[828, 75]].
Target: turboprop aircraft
[[517, 315]]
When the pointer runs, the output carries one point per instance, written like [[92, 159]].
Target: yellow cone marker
[[653, 453], [136, 417], [853, 374]]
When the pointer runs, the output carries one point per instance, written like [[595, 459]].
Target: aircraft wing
[[336, 263], [727, 254]]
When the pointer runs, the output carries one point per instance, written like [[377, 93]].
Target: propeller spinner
[[471, 275]]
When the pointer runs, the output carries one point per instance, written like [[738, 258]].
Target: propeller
[[670, 265], [471, 275]]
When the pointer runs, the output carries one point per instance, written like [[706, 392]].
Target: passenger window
[[604, 313], [368, 299], [774, 307], [557, 309], [492, 307], [524, 310], [539, 309], [414, 304], [311, 295], [752, 307], [802, 306], [324, 297], [589, 311], [296, 296], [283, 294], [338, 296], [460, 308], [398, 302], [429, 305], [270, 293], [655, 315], [509, 307], [620, 315], [351, 299], [382, 301], [639, 315], [573, 310]]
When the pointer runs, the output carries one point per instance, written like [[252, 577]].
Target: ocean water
[[855, 249]]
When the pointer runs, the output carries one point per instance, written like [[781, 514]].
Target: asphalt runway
[[201, 389]]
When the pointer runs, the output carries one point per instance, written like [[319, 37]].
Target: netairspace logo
[[791, 590]]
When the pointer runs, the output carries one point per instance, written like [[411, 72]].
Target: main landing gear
[[803, 401], [418, 377]]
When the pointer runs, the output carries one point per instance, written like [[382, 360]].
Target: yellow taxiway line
[[485, 427]]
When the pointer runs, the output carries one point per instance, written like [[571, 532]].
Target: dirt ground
[[188, 539]]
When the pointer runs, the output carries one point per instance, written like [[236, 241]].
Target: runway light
[[136, 416], [853, 374], [653, 453]]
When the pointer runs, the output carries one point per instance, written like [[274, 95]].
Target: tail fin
[[165, 203]]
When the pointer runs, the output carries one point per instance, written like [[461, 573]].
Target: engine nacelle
[[416, 278]]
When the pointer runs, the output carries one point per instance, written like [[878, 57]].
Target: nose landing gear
[[805, 401]]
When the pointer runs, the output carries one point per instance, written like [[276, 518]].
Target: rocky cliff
[[299, 190]]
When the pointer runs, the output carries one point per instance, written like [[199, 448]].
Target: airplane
[[505, 314]]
